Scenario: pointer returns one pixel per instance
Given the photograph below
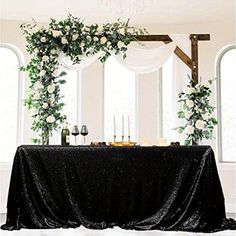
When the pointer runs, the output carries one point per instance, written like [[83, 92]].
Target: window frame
[[136, 104], [220, 56], [20, 91]]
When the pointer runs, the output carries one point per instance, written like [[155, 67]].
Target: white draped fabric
[[139, 59]]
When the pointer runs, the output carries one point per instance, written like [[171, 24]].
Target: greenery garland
[[75, 39], [197, 112]]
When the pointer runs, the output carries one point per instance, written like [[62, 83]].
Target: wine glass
[[75, 131], [84, 131]]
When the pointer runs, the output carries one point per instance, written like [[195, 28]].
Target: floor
[[81, 231]]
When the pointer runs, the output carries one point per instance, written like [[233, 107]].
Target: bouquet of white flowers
[[197, 112]]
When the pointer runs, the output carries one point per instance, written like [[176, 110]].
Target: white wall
[[222, 33]]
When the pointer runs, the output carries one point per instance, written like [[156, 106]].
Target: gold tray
[[122, 144]]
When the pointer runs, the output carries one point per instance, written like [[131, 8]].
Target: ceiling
[[156, 11]]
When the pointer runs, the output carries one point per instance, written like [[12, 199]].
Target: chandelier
[[126, 8]]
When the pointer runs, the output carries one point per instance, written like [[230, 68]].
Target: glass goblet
[[75, 132], [84, 132]]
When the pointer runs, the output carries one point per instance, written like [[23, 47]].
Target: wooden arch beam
[[192, 62]]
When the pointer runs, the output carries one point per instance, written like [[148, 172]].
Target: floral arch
[[75, 39]]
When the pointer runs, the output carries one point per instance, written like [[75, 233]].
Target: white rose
[[56, 33], [45, 105], [206, 116], [100, 28], [189, 103], [121, 31], [88, 38], [55, 73], [198, 86], [103, 40], [43, 39], [120, 44], [82, 44], [64, 40], [50, 119], [190, 90], [38, 85], [67, 27], [45, 58], [33, 111], [42, 72], [36, 51], [200, 124], [51, 88], [108, 43], [206, 84], [74, 37], [188, 114], [36, 96], [52, 100], [95, 39], [189, 129], [53, 51]]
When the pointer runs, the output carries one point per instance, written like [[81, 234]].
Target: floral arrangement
[[197, 112], [75, 39]]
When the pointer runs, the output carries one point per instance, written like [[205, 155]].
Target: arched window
[[11, 100], [119, 98], [226, 103]]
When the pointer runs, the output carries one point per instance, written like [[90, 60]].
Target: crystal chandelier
[[126, 8]]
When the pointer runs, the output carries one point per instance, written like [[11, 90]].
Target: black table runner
[[141, 188]]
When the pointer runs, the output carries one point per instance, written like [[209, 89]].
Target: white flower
[[206, 84], [43, 39], [52, 99], [82, 44], [189, 103], [38, 85], [188, 114], [36, 96], [50, 119], [108, 43], [88, 38], [120, 44], [64, 40], [55, 73], [189, 129], [56, 33], [100, 28], [103, 40], [190, 90], [95, 39], [198, 86], [42, 72], [121, 31], [45, 58], [36, 51], [200, 124], [67, 27], [51, 88], [53, 51], [74, 37], [45, 105], [206, 116]]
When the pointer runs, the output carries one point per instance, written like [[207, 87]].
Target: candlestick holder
[[114, 138], [129, 139], [123, 138]]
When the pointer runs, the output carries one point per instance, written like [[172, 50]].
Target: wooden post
[[194, 55]]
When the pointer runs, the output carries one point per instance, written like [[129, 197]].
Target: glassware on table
[[84, 132], [75, 132]]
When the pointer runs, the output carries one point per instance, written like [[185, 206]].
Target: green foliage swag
[[197, 112], [75, 39]]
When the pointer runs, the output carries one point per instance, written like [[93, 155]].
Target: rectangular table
[[141, 188]]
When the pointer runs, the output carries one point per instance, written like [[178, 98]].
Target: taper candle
[[114, 125], [123, 126], [128, 126]]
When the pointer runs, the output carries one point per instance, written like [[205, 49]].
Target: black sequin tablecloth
[[141, 188]]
